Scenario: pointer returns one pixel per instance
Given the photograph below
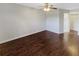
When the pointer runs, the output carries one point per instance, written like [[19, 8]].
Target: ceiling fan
[[48, 7]]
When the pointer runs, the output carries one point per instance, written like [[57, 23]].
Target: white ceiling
[[67, 6]]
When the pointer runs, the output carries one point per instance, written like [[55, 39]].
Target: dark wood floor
[[44, 43]]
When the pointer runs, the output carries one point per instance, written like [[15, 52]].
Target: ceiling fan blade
[[53, 8], [48, 6]]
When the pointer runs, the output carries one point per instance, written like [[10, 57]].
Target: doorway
[[70, 33]]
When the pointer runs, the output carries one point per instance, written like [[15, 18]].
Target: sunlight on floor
[[73, 50], [71, 44]]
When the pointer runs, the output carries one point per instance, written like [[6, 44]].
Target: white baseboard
[[25, 35], [1, 42]]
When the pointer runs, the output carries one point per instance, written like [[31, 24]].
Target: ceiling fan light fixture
[[46, 9]]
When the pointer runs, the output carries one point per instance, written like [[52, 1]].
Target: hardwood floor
[[44, 43]]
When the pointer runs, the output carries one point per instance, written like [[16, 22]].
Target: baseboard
[[28, 35], [20, 37]]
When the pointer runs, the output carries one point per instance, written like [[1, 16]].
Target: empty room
[[39, 29]]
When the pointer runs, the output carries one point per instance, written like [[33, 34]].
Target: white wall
[[63, 21], [55, 21], [18, 21], [66, 23], [52, 22]]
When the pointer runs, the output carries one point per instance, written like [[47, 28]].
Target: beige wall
[[73, 19]]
